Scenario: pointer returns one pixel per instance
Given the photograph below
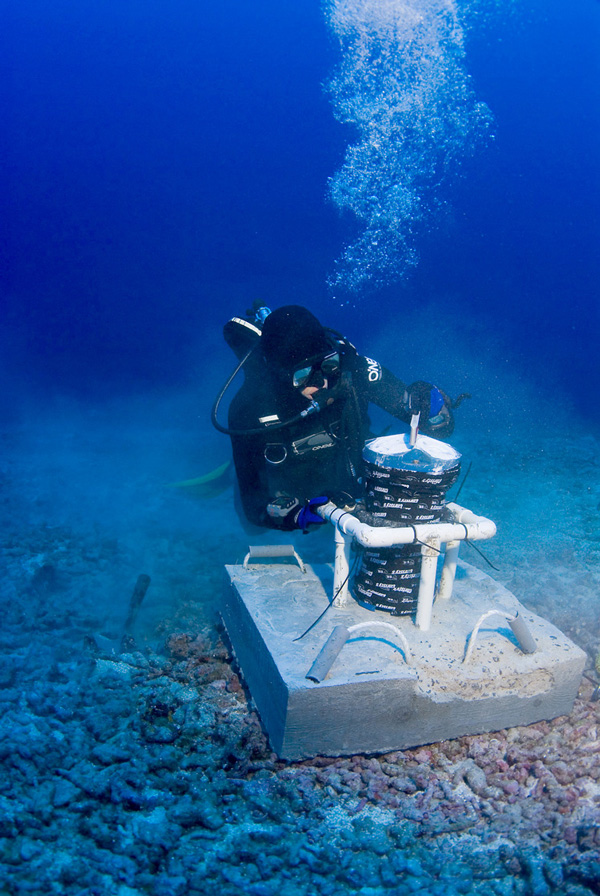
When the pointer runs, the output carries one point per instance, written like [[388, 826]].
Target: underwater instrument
[[452, 674], [135, 602], [406, 480], [110, 646]]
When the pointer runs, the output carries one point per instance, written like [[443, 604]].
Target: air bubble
[[403, 88]]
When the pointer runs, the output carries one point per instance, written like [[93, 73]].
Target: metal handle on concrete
[[336, 640], [272, 552], [518, 626]]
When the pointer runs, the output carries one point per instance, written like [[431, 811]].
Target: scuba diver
[[299, 422]]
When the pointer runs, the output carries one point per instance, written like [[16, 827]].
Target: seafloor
[[148, 772]]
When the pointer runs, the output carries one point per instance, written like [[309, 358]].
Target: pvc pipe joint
[[463, 525]]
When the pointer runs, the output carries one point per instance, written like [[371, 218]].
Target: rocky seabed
[[148, 772]]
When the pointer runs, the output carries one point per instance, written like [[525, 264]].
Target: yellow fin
[[210, 485]]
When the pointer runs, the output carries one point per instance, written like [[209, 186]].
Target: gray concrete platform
[[372, 700]]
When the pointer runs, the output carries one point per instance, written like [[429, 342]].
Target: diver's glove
[[433, 406], [289, 513], [307, 516], [424, 399]]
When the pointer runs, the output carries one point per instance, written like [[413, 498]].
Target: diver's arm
[[383, 388], [402, 401], [252, 495], [271, 512], [248, 457]]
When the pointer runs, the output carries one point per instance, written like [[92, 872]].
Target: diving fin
[[211, 484]]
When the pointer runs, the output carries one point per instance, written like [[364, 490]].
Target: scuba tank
[[242, 334]]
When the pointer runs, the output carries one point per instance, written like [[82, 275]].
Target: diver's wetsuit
[[320, 454]]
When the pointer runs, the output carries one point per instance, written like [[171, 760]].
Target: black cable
[[258, 430], [481, 554], [320, 616], [425, 545], [228, 383], [464, 480]]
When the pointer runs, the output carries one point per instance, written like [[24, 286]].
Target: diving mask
[[328, 367]]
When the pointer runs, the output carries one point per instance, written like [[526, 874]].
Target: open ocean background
[[164, 165]]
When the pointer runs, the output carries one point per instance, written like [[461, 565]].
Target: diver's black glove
[[289, 513], [433, 406], [424, 399]]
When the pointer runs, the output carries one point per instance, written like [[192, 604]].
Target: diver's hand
[[307, 516], [425, 399], [290, 513], [434, 407]]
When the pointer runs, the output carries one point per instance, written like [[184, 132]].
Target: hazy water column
[[402, 85]]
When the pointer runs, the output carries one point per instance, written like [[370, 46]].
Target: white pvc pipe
[[465, 525], [448, 570], [341, 572], [429, 556]]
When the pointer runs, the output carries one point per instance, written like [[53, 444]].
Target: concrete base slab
[[373, 700]]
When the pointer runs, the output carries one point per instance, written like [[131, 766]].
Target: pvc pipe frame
[[464, 525]]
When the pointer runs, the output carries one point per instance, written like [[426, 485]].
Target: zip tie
[[340, 518]]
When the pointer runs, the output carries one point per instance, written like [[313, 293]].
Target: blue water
[[424, 177], [164, 164]]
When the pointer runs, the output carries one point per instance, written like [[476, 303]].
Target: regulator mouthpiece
[[311, 409]]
